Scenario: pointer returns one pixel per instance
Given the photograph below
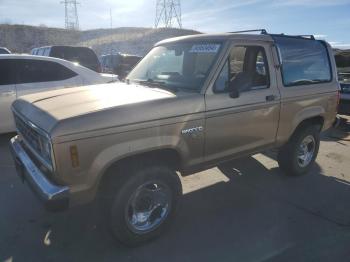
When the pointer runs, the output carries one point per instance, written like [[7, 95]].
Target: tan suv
[[190, 104]]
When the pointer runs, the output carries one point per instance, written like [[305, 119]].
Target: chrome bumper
[[54, 197]]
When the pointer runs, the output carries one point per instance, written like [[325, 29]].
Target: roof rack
[[311, 37], [262, 31]]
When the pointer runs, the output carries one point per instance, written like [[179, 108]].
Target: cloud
[[222, 7], [340, 45], [219, 15], [92, 13], [310, 3]]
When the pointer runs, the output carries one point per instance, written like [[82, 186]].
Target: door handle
[[270, 98]]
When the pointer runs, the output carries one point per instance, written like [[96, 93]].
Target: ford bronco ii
[[191, 103]]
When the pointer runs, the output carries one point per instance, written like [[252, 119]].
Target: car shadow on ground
[[340, 132], [259, 214]]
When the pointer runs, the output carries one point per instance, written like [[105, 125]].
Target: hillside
[[133, 40]]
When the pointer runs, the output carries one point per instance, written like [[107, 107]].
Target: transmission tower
[[71, 14], [168, 12]]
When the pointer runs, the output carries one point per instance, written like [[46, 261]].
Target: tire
[[131, 198], [294, 158]]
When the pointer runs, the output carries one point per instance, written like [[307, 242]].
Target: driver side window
[[246, 69]]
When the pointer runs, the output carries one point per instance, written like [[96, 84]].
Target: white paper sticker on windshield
[[205, 48]]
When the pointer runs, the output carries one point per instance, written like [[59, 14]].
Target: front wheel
[[143, 204], [299, 154]]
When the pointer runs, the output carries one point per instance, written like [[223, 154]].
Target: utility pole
[[110, 16], [168, 12], [111, 21], [71, 14]]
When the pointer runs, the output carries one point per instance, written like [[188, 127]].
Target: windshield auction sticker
[[205, 48]]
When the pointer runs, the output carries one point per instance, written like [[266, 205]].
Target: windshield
[[342, 59], [177, 66]]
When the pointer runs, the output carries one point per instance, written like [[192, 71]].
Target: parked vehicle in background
[[119, 64], [191, 103], [85, 56], [25, 74], [342, 58], [4, 51]]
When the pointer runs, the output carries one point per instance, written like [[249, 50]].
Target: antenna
[[71, 14], [168, 12]]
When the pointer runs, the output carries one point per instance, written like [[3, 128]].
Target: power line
[[168, 12], [71, 14]]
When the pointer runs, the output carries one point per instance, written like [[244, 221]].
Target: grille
[[29, 134]]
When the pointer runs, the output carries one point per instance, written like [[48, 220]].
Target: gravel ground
[[244, 210]]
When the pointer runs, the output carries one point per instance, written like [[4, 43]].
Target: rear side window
[[47, 51], [34, 71], [132, 59], [6, 72], [4, 51], [303, 61], [40, 51], [82, 55], [116, 60]]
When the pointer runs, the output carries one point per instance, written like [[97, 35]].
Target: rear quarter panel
[[302, 102]]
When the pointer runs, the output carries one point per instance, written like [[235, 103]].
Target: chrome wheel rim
[[148, 207], [306, 151]]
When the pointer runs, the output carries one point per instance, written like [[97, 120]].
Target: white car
[[27, 74]]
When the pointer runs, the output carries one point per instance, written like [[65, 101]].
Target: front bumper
[[53, 196]]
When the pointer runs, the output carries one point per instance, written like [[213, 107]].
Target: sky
[[327, 19]]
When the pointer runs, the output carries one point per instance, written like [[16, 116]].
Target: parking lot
[[245, 210]]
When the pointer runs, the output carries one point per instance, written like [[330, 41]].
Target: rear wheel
[[299, 154], [143, 204]]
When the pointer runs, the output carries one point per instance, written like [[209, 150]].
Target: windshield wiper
[[156, 84]]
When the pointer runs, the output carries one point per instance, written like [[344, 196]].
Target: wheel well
[[317, 121], [169, 157]]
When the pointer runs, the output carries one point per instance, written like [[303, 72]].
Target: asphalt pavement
[[243, 210]]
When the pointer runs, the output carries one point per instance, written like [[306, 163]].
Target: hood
[[83, 109]]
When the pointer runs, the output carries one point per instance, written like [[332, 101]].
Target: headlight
[[45, 148], [37, 140]]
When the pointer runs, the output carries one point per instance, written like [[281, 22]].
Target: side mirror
[[234, 93]]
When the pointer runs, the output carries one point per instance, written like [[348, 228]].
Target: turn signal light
[[74, 156]]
